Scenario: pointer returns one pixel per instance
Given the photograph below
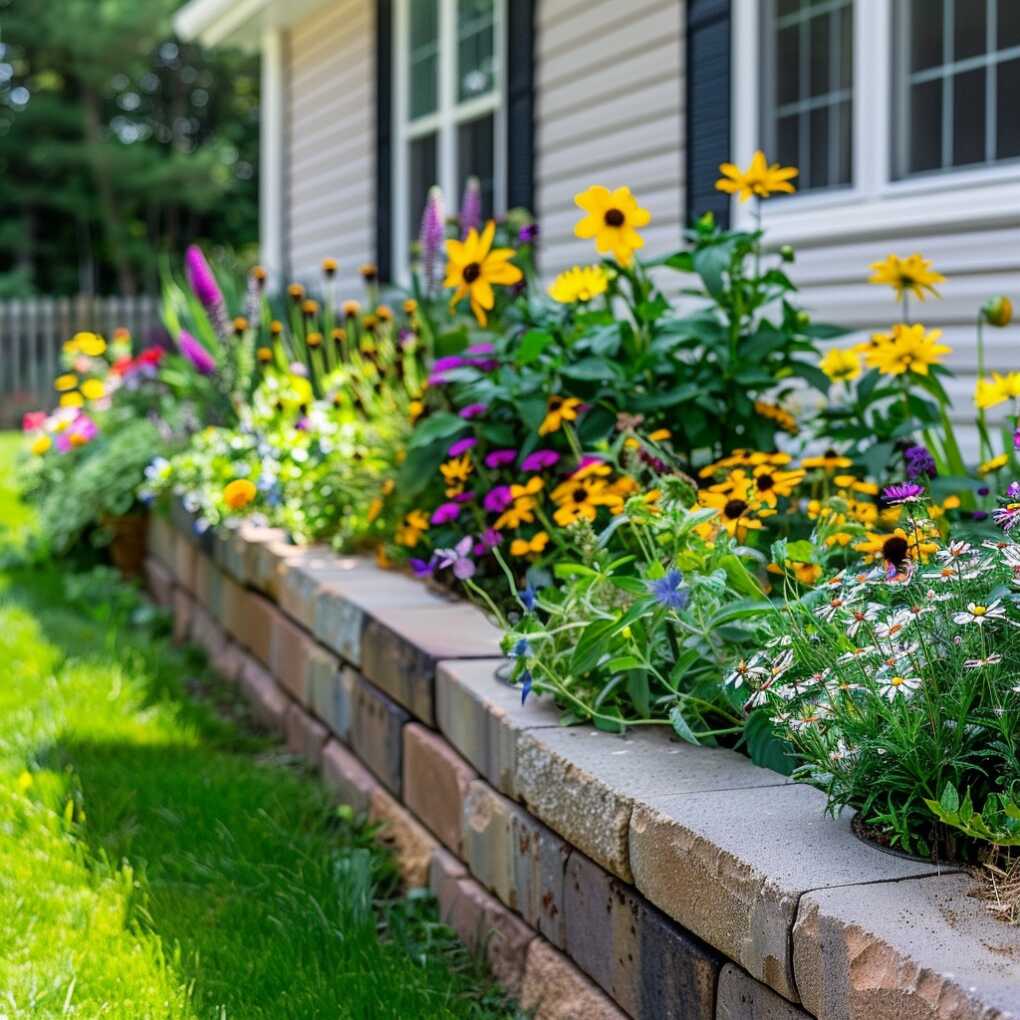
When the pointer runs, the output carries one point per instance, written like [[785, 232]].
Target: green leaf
[[710, 264], [622, 662], [532, 344], [681, 727], [950, 799], [801, 551], [440, 425], [593, 369]]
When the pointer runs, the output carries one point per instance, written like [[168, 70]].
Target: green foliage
[[998, 821]]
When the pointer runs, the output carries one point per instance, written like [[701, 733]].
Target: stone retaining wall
[[603, 877]]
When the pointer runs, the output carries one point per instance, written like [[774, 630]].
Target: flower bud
[[787, 254], [998, 311]]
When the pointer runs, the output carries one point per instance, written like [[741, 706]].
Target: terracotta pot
[[127, 546]]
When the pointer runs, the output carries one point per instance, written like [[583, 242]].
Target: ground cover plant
[[161, 861]]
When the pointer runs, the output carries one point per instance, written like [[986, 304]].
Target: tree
[[117, 143]]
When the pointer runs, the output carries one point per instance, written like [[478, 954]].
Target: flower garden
[[685, 503]]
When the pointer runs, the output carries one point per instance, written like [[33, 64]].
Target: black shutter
[[384, 138], [520, 104], [708, 106]]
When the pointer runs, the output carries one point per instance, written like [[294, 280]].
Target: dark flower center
[[471, 272], [580, 496], [895, 550], [734, 509], [614, 218], [765, 482], [830, 454], [555, 403]]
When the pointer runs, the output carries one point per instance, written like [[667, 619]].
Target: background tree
[[118, 143]]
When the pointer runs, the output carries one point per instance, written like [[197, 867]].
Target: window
[[807, 82], [448, 108], [958, 82]]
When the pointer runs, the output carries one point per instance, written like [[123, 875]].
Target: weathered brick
[[724, 866], [227, 660], [400, 648], [290, 649], [375, 728], [483, 717], [306, 736], [740, 997], [160, 582], [160, 540], [918, 950], [553, 989], [205, 632], [182, 614], [444, 870], [411, 843], [268, 702], [231, 604], [300, 582], [487, 843], [208, 585], [584, 783], [185, 561], [322, 682], [436, 780], [346, 778], [251, 622]]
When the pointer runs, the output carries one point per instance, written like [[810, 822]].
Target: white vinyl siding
[[329, 125], [608, 83]]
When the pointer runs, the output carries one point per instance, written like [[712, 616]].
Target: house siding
[[609, 110], [329, 175]]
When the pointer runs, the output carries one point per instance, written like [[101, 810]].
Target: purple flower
[[445, 364], [299, 369], [490, 538], [1013, 490], [471, 207], [982, 515], [433, 232], [1006, 518], [464, 497], [500, 458], [473, 411], [1016, 438], [498, 499], [201, 280], [918, 462], [540, 460], [459, 558], [528, 234], [422, 568], [485, 347], [461, 446], [907, 492], [200, 358], [670, 591], [446, 512], [984, 490]]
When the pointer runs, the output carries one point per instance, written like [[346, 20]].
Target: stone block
[[346, 778], [553, 989], [400, 648], [487, 928], [411, 843], [306, 736], [731, 868], [487, 843], [228, 660], [583, 783], [300, 580], [205, 632], [645, 962], [185, 561], [444, 870], [268, 703], [183, 603], [251, 622], [375, 728], [208, 585], [268, 560], [322, 682], [919, 950], [436, 781], [232, 599], [159, 540], [482, 717], [290, 649], [740, 997], [160, 582]]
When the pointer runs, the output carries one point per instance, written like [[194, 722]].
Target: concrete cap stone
[[732, 868], [584, 783], [918, 950]]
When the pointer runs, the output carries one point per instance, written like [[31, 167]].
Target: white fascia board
[[238, 22]]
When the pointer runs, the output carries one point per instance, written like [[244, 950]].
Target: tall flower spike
[[433, 233], [203, 283], [471, 207], [199, 357]]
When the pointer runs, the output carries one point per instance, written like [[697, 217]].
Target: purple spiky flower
[[433, 232], [471, 207]]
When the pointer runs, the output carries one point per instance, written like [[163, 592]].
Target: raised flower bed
[[603, 876]]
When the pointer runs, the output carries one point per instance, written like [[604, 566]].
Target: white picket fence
[[32, 331]]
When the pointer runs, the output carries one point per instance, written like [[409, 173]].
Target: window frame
[[449, 115], [875, 204]]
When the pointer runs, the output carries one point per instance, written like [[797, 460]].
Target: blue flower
[[525, 685], [670, 591], [527, 597], [522, 649]]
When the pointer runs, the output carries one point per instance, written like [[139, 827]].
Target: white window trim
[[445, 120], [875, 205]]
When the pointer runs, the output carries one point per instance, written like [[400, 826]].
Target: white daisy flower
[[992, 660], [834, 607], [937, 596], [745, 671], [895, 685], [810, 715], [954, 552], [979, 614], [859, 617], [892, 628]]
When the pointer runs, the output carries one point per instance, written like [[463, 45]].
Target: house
[[901, 115]]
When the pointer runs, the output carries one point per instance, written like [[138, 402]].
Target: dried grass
[[999, 885]]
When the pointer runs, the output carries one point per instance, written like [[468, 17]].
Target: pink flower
[[446, 512], [498, 499], [201, 279], [200, 358], [500, 458], [540, 460], [461, 446], [473, 411], [33, 420]]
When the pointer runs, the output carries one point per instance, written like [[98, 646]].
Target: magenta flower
[[528, 234], [461, 446], [485, 347], [540, 460], [433, 232], [586, 461], [200, 358], [445, 364], [498, 499], [201, 279], [489, 539], [906, 492], [446, 512], [33, 420], [421, 568], [471, 207], [473, 411], [500, 458], [464, 497]]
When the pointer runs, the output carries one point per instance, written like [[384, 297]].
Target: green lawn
[[159, 861]]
